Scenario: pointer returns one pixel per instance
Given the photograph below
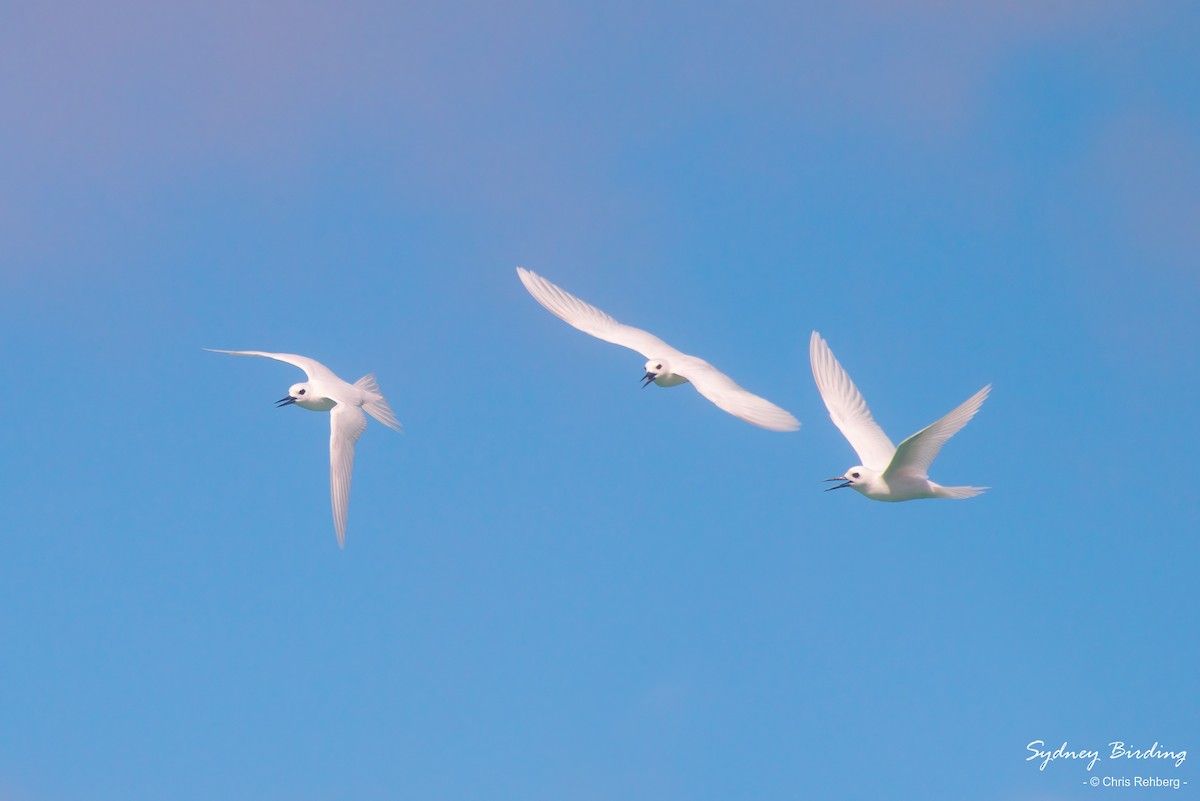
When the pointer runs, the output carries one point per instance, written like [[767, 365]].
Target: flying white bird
[[325, 392], [887, 473], [666, 366]]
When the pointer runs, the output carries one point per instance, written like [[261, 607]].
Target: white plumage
[[325, 392], [887, 472], [666, 366]]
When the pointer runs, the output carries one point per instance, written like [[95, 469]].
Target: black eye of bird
[[658, 367], [854, 475], [301, 392]]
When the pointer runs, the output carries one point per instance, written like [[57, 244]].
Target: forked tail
[[957, 492], [375, 405]]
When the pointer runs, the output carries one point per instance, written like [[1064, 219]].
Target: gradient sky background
[[557, 585]]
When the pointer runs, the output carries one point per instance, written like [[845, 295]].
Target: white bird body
[[665, 366], [887, 473], [345, 402]]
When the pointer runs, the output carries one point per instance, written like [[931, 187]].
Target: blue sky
[[556, 584]]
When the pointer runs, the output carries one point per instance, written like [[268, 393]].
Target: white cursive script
[[1038, 750], [1061, 752], [1153, 752]]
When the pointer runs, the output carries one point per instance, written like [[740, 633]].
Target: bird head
[[655, 369], [857, 477], [296, 394]]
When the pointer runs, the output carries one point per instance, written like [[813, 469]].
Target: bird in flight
[[325, 392], [665, 366], [887, 472]]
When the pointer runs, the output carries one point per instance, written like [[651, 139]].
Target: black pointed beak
[[839, 486], [289, 400], [648, 379]]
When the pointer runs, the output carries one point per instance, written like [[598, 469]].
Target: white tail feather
[[958, 492], [375, 404]]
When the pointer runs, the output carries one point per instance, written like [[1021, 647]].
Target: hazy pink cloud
[[107, 83], [476, 103], [106, 104], [126, 86], [1131, 234], [917, 70], [1149, 169]]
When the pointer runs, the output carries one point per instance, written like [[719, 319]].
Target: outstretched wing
[[847, 407], [311, 367], [726, 394], [590, 320], [346, 424], [916, 453]]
